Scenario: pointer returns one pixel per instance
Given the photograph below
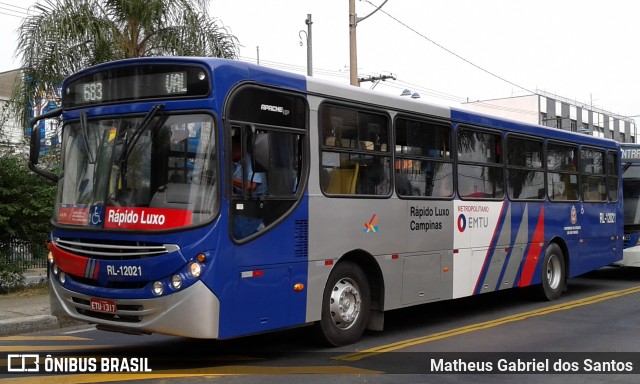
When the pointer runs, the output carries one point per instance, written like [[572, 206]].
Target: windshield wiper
[[128, 146], [85, 136]]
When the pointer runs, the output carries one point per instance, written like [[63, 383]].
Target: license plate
[[103, 305]]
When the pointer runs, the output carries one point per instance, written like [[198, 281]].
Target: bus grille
[[114, 250]]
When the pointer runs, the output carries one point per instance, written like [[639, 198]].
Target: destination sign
[[630, 152], [137, 82]]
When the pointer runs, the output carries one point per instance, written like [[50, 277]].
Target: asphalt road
[[590, 335]]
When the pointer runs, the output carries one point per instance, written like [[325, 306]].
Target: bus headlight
[[158, 288], [55, 270], [195, 270], [62, 277], [176, 281]]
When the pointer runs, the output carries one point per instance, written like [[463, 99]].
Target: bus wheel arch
[[352, 299]]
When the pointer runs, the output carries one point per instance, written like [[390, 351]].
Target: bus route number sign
[[103, 305]]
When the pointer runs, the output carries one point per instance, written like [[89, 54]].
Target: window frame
[[542, 169], [324, 148], [613, 176], [584, 176], [249, 122], [445, 124], [575, 173], [497, 165]]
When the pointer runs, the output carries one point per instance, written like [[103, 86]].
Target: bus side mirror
[[34, 146], [261, 152]]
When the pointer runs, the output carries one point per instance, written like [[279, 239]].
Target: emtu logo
[[462, 223], [372, 226]]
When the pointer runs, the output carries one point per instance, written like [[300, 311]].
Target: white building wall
[[11, 135]]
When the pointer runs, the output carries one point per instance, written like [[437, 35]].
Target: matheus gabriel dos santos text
[[49, 364], [519, 365]]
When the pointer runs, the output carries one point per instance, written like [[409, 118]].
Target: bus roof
[[242, 71]]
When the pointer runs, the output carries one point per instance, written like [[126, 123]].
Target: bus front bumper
[[193, 312], [630, 257]]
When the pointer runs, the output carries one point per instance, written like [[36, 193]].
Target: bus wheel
[[345, 305], [553, 273]]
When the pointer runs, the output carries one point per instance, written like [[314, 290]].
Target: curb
[[28, 324]]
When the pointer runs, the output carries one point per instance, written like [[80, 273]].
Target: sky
[[449, 51]]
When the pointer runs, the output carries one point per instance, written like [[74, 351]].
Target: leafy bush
[[26, 205], [11, 277], [26, 202]]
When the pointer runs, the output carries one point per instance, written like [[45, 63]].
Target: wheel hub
[[345, 303], [553, 272]]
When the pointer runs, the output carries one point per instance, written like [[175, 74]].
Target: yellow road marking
[[197, 372], [356, 356], [43, 338]]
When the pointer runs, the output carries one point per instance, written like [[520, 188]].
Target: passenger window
[[423, 165], [562, 175], [525, 171], [355, 152], [593, 175], [480, 173], [612, 175]]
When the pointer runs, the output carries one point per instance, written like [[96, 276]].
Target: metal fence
[[25, 254]]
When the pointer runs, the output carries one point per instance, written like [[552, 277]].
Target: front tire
[[345, 305], [553, 273]]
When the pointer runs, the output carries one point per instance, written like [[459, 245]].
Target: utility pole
[[353, 51], [309, 50]]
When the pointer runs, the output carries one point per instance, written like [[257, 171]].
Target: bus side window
[[355, 154], [562, 174], [423, 166], [480, 172], [593, 174]]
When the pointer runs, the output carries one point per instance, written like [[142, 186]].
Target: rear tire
[[553, 273], [345, 305]]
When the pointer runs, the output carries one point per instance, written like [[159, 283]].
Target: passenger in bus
[[254, 183]]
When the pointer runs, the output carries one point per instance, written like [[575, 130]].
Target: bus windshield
[[631, 190], [152, 172]]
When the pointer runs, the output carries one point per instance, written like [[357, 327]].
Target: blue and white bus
[[631, 193], [210, 198]]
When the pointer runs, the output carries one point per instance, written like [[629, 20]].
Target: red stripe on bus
[[537, 243], [70, 263]]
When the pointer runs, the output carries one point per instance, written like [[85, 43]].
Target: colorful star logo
[[372, 226]]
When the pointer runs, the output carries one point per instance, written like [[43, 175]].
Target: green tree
[[26, 202], [65, 36]]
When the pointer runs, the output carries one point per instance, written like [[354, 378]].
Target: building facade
[[11, 135], [558, 112]]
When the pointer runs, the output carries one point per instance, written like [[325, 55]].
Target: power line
[[450, 51], [12, 10], [13, 6], [296, 68], [392, 83], [3, 11]]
